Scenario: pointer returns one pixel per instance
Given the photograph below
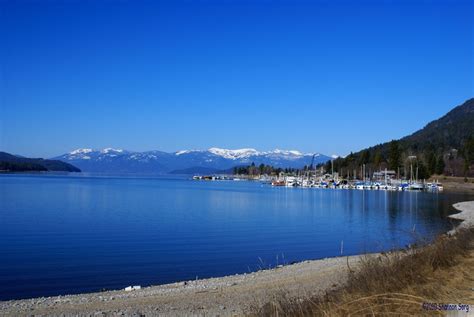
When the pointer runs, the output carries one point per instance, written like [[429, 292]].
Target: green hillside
[[444, 146]]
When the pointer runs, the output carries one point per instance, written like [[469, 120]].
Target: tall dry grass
[[391, 284]]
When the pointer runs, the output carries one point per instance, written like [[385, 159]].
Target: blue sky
[[326, 76]]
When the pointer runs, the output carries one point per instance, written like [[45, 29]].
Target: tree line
[[405, 161], [394, 156], [262, 169]]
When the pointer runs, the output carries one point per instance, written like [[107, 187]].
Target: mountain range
[[213, 160]]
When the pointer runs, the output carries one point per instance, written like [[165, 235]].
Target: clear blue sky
[[326, 76]]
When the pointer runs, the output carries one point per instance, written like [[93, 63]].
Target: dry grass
[[455, 184], [393, 284]]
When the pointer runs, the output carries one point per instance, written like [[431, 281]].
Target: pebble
[[181, 295]]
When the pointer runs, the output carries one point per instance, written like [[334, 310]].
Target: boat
[[434, 186], [402, 187], [278, 183], [290, 182], [416, 186], [359, 185]]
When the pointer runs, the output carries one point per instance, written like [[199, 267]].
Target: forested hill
[[444, 146], [12, 163], [448, 132]]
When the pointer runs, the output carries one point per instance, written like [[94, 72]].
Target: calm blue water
[[72, 234]]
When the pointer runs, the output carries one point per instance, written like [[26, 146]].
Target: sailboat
[[415, 185]]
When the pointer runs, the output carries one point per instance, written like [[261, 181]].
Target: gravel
[[466, 215], [224, 296]]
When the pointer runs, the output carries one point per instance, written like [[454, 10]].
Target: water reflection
[[83, 234]]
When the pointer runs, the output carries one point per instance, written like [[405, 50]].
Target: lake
[[62, 234]]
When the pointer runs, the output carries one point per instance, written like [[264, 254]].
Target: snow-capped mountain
[[111, 160]]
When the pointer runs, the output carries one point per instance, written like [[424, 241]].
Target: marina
[[382, 180], [334, 183]]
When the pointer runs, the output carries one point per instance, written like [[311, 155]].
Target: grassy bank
[[455, 184], [395, 283]]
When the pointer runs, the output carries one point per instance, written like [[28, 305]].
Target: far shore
[[222, 296]]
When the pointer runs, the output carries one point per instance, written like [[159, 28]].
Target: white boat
[[434, 186], [416, 186], [290, 182]]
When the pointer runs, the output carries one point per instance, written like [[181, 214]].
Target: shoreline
[[466, 215], [225, 296]]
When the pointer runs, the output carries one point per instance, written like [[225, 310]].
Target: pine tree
[[440, 165], [431, 161], [394, 156], [377, 160]]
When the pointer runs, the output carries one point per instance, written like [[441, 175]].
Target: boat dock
[[383, 180]]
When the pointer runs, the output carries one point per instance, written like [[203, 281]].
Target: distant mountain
[[196, 170], [188, 161], [445, 145], [13, 163]]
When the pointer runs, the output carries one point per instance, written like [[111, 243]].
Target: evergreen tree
[[440, 165], [431, 161], [468, 154], [423, 172], [394, 155], [364, 157], [377, 159], [468, 151]]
